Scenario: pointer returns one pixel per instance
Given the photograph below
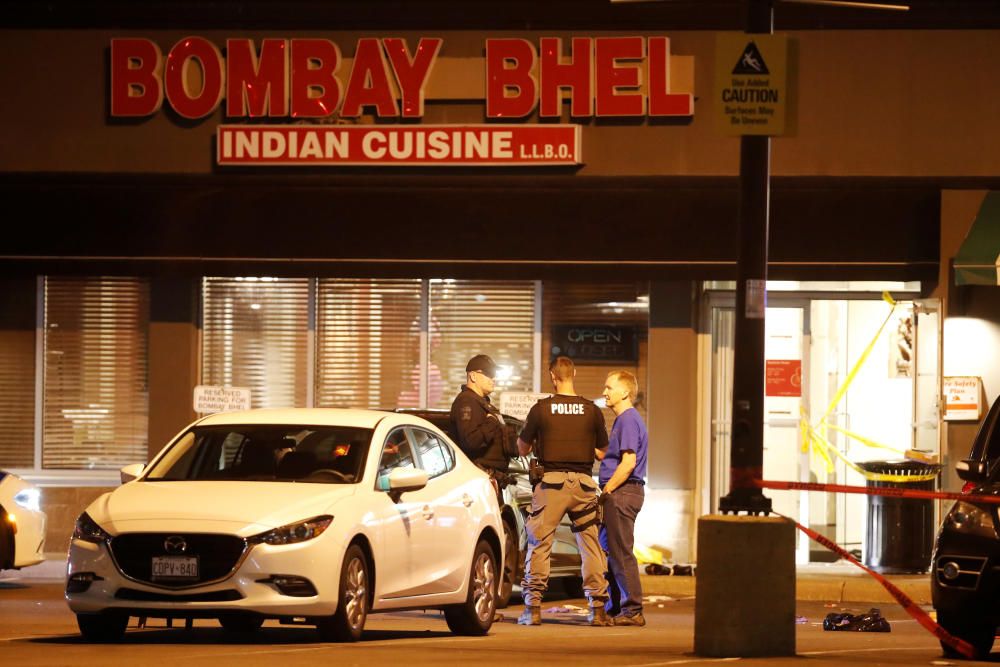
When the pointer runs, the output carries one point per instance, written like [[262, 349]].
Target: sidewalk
[[825, 582]]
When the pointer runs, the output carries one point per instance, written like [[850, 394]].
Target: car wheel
[[241, 624], [102, 628], [475, 615], [348, 622], [573, 587], [510, 560], [973, 629], [6, 543]]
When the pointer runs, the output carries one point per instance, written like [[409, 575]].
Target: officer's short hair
[[563, 368], [627, 379]]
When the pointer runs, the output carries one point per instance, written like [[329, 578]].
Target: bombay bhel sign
[[751, 83], [334, 100]]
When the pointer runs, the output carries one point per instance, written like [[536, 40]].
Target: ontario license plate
[[175, 567]]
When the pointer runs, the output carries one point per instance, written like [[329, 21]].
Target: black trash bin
[[899, 532]]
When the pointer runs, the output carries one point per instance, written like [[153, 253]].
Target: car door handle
[[467, 500], [428, 512]]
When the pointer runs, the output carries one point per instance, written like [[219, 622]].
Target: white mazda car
[[308, 516], [22, 523]]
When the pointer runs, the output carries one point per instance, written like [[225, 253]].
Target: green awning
[[978, 260]]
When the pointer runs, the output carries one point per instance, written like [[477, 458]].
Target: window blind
[[95, 412], [17, 374], [368, 343], [470, 317], [255, 334]]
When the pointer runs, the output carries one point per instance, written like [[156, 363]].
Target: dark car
[[565, 560], [965, 572]]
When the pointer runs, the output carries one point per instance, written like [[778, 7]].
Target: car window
[[266, 453], [436, 457], [396, 453]]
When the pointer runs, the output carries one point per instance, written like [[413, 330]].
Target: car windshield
[[320, 454]]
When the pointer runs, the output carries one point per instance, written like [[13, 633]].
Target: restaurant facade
[[342, 217]]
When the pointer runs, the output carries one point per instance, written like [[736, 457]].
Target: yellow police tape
[[814, 437]]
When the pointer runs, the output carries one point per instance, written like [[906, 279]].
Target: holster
[[535, 472]]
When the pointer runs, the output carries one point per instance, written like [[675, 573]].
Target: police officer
[[564, 431], [477, 421]]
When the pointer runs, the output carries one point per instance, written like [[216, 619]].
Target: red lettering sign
[[609, 76], [136, 89]]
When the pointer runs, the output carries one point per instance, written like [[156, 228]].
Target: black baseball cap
[[483, 364]]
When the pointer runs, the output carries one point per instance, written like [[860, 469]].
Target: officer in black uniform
[[565, 431], [480, 428]]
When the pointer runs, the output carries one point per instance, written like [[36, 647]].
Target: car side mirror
[[131, 471], [401, 480], [972, 471]]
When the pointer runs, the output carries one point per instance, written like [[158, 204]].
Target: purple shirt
[[628, 434]]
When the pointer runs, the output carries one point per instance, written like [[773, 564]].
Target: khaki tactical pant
[[557, 494]]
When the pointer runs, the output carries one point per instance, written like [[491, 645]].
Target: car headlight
[[29, 499], [971, 519], [294, 532], [87, 530]]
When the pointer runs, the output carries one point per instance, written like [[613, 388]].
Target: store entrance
[[848, 380]]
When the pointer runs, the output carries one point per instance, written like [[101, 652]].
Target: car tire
[[102, 628], [573, 587], [348, 622], [241, 624], [474, 617], [970, 627], [511, 557], [6, 542]]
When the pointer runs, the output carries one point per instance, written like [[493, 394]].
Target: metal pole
[[747, 445]]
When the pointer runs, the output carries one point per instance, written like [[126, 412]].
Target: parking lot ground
[[36, 628]]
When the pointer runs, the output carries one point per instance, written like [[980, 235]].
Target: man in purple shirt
[[622, 478]]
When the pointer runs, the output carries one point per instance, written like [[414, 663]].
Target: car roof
[[310, 416]]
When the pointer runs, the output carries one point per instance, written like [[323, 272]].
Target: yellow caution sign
[[751, 83]]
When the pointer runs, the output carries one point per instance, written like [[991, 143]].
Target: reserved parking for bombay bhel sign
[[751, 83]]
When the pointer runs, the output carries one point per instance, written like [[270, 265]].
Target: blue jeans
[[617, 539]]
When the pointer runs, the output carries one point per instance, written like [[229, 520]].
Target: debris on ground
[[873, 621], [801, 620], [651, 599], [566, 609]]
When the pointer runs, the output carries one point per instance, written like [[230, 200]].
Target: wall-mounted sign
[[398, 145], [310, 78], [518, 403], [596, 343], [963, 398], [209, 399], [751, 86], [783, 377]]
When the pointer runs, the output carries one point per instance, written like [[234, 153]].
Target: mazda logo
[[175, 544]]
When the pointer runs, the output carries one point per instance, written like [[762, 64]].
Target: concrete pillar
[[173, 357], [745, 587]]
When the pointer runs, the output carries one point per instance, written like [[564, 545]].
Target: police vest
[[567, 430]]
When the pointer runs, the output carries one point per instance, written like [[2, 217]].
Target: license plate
[[175, 567]]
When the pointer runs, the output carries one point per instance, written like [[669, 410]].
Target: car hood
[[241, 508]]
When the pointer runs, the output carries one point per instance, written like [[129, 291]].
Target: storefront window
[[368, 343], [17, 373], [470, 317], [96, 404], [603, 327], [256, 335]]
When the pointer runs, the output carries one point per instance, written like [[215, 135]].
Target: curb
[[813, 588]]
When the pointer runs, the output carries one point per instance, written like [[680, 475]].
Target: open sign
[[596, 343]]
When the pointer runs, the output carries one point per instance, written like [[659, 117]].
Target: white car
[[308, 516], [22, 523]]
